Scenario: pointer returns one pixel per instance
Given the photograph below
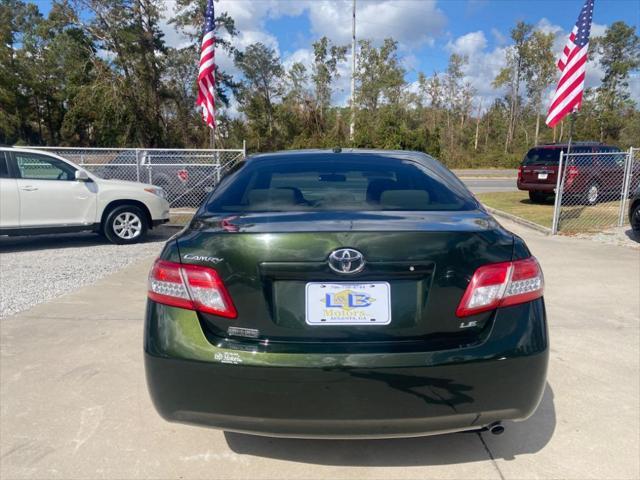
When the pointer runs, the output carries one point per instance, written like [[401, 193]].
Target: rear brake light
[[190, 286], [520, 172], [572, 173], [501, 285]]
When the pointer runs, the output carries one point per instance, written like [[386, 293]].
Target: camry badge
[[202, 258], [346, 260]]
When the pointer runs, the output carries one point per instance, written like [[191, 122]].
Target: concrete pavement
[[486, 172], [483, 185], [73, 399], [488, 179]]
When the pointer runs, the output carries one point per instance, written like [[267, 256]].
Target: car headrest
[[273, 196], [404, 199], [377, 186]]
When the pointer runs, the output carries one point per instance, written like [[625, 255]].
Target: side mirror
[[82, 176]]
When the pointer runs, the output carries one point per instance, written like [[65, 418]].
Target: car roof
[[26, 150], [573, 144], [345, 152]]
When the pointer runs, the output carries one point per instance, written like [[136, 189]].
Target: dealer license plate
[[348, 303], [543, 176]]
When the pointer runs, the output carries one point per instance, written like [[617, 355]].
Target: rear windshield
[[551, 156], [329, 184], [542, 156]]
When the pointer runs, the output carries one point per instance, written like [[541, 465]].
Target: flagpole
[[352, 123], [572, 123]]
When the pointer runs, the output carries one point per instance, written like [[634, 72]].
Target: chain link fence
[[593, 191], [187, 176]]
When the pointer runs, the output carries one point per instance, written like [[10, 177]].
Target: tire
[[537, 197], [592, 194], [125, 224], [635, 218]]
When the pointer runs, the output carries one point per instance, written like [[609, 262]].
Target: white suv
[[44, 193]]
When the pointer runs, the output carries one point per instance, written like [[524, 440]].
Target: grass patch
[[573, 218], [518, 203]]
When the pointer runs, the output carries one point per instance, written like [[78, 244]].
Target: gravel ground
[[621, 236], [36, 269]]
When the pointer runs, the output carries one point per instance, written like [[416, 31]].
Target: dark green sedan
[[345, 294]]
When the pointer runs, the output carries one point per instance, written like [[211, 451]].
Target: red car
[[590, 178]]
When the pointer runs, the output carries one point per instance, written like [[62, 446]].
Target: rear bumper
[[346, 395], [537, 187]]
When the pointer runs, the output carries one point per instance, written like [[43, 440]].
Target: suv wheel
[[125, 224], [592, 194], [537, 197], [635, 218]]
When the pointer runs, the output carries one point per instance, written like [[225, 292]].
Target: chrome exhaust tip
[[496, 428]]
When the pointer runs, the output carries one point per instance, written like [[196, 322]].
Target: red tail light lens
[[520, 172], [501, 285], [572, 173], [192, 287]]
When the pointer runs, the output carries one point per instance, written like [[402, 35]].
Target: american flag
[[207, 72], [573, 65]]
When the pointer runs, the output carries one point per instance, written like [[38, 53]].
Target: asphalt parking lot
[[73, 399]]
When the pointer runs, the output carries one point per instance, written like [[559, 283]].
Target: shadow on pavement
[[72, 240], [635, 236], [519, 438]]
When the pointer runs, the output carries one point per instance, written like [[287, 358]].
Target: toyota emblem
[[346, 260]]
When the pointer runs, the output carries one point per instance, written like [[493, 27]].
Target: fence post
[[137, 165], [244, 149], [626, 182], [558, 202], [148, 161], [218, 167]]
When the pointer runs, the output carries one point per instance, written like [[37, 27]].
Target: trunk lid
[[266, 261]]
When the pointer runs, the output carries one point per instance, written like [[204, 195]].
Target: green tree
[[127, 31], [379, 76], [18, 23], [619, 55], [539, 71], [325, 70], [258, 92], [511, 76]]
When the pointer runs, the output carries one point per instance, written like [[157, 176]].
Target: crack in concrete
[[493, 460]]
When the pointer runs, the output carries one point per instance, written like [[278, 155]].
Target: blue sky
[[494, 17], [428, 31]]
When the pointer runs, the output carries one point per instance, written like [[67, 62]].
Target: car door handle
[[29, 188]]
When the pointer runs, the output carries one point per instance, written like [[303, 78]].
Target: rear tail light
[[572, 173], [190, 286], [501, 285], [520, 172]]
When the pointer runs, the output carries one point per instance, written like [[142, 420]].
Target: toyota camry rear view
[[353, 293]]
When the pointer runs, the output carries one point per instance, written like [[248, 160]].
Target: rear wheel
[[125, 224], [537, 197], [635, 218], [592, 194]]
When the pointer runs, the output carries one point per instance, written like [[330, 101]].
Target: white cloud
[[302, 55], [469, 44], [411, 23], [410, 62]]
